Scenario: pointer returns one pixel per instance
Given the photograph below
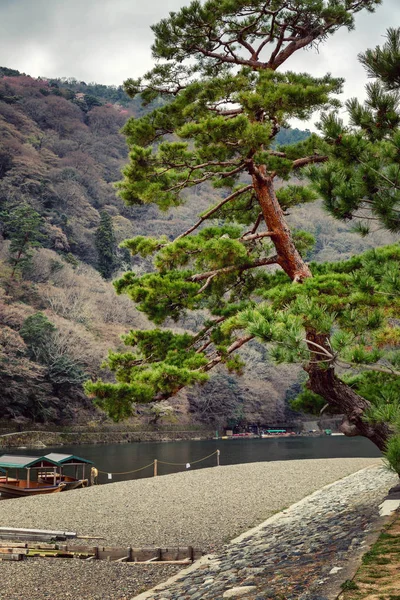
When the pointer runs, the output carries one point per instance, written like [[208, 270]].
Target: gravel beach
[[203, 508]]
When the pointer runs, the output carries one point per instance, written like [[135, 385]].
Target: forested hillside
[[61, 151]]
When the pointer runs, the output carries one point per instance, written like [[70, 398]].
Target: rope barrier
[[162, 462], [193, 462], [128, 472]]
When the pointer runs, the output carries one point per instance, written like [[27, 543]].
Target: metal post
[[218, 453], [155, 467]]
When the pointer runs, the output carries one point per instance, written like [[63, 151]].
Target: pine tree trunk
[[288, 256], [322, 378], [343, 399]]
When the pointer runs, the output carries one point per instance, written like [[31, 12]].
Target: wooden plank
[[12, 557], [13, 550], [89, 549], [111, 555], [177, 556], [44, 546], [163, 562], [143, 554], [46, 532], [25, 537], [174, 553]]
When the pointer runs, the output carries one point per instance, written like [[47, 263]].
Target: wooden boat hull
[[70, 483], [19, 489]]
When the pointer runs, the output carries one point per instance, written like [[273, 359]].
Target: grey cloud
[[102, 40], [109, 40]]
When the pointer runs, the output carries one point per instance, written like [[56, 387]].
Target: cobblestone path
[[293, 555]]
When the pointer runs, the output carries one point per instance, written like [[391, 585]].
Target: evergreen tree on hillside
[[229, 98], [40, 336], [21, 224], [106, 246]]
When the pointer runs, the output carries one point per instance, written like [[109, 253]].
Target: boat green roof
[[67, 459], [13, 461]]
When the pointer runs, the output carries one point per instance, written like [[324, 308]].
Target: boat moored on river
[[16, 487], [75, 463]]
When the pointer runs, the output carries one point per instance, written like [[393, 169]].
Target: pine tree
[[40, 336], [226, 99], [361, 181], [21, 225], [106, 246]]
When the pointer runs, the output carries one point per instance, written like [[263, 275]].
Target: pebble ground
[[296, 555], [203, 508]]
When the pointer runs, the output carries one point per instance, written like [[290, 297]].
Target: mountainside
[[61, 151]]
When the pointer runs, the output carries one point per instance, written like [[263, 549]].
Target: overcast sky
[[108, 41]]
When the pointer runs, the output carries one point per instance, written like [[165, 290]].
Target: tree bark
[[322, 378], [342, 398], [288, 256]]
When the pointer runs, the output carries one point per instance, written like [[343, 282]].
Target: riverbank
[[378, 576], [306, 552], [43, 439], [204, 508]]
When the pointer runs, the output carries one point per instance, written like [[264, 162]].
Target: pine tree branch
[[203, 347], [207, 283], [214, 210], [324, 351], [272, 260], [223, 58], [380, 174], [268, 39], [277, 47], [330, 357], [362, 217], [308, 160], [211, 163], [256, 225], [203, 333], [284, 54], [235, 346], [207, 328], [256, 236], [378, 369], [228, 113], [207, 176], [277, 153]]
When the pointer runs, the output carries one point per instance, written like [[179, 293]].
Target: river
[[125, 458]]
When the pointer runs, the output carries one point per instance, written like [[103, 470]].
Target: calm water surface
[[117, 458]]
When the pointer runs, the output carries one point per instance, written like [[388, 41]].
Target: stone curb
[[149, 594]]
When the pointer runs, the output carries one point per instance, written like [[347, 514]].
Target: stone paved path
[[293, 555]]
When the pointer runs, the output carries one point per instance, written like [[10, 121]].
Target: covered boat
[[73, 463], [15, 487]]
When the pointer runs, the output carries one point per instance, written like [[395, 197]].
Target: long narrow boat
[[23, 487], [15, 487], [75, 463]]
